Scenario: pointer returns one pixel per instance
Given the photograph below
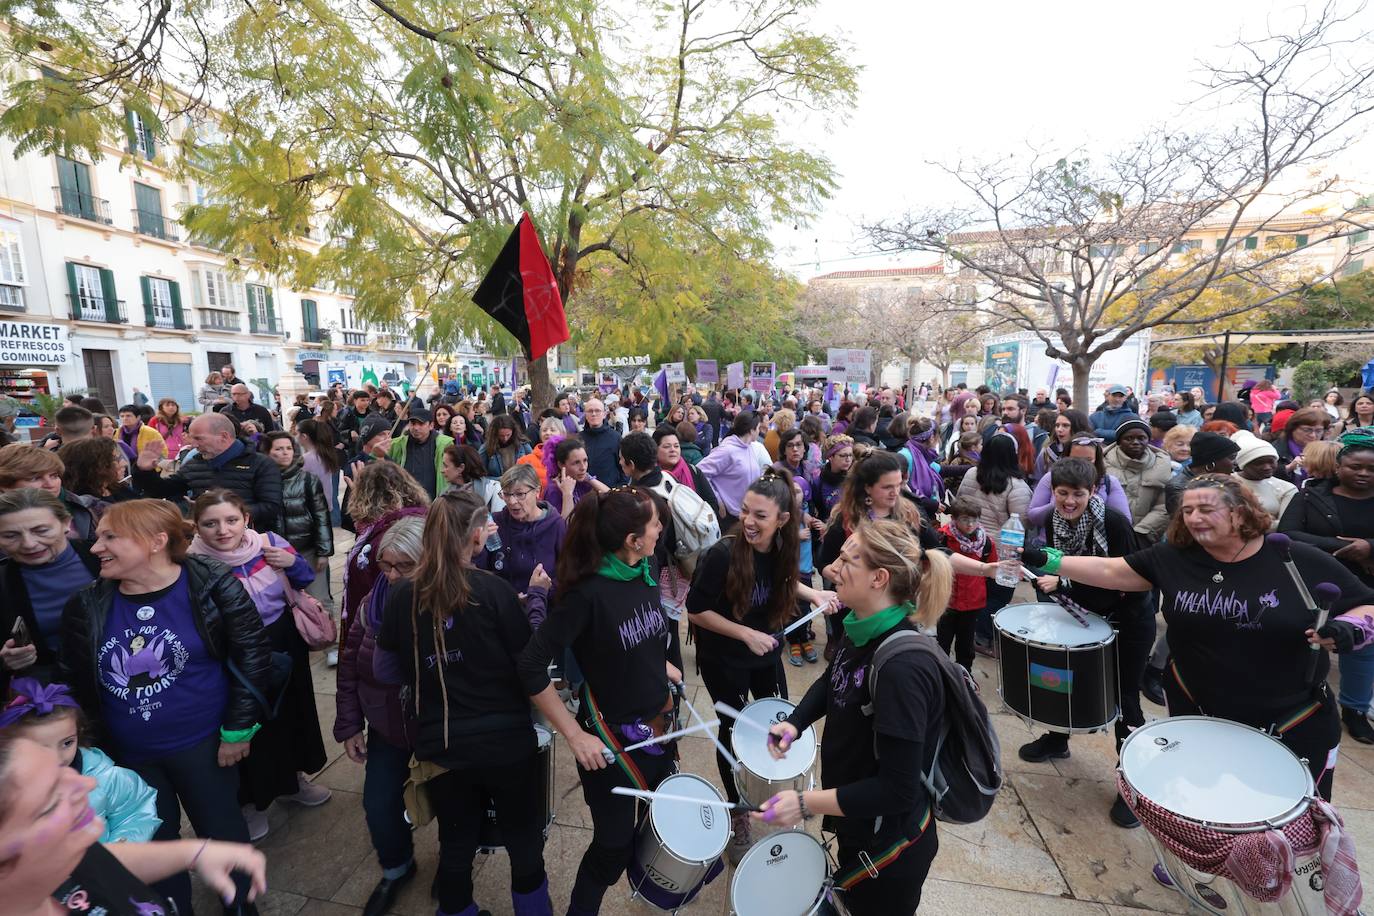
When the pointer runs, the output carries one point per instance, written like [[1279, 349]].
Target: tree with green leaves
[[643, 141]]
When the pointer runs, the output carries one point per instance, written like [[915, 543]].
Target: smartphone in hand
[[20, 633]]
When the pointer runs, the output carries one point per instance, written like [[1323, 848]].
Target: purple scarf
[[924, 480]]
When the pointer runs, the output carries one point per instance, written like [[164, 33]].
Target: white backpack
[[695, 525]]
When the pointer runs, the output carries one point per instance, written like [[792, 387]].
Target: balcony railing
[[95, 308], [257, 324], [12, 299], [146, 222], [355, 338], [395, 341], [315, 335], [71, 202], [170, 322], [217, 320]]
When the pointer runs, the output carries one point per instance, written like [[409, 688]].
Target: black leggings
[[897, 889], [731, 684], [614, 820], [460, 802], [1135, 639], [1313, 739], [193, 778], [956, 628]]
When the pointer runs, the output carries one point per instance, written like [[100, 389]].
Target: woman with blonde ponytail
[[457, 633], [871, 762]]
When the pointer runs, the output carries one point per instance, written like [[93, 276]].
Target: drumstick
[[729, 758], [815, 612], [732, 712], [1076, 611], [665, 796], [666, 736]]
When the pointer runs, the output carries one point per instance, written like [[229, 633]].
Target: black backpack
[[967, 768]]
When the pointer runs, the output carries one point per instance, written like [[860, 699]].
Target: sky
[[986, 78]]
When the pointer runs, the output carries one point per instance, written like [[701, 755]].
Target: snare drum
[[760, 777], [1199, 783], [1053, 671], [785, 874], [489, 837], [680, 844]]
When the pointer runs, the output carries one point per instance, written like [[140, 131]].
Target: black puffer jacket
[[252, 475], [305, 511], [227, 622]]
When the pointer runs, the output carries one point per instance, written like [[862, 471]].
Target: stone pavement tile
[[1100, 861], [414, 899], [273, 903], [324, 706], [313, 851], [941, 897], [1354, 784], [342, 774], [1002, 850], [328, 908], [322, 675], [1090, 757]]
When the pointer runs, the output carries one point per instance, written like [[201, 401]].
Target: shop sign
[[28, 344]]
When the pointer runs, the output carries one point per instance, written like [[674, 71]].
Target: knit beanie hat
[[1209, 448]]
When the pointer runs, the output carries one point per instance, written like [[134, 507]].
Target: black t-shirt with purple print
[[708, 594], [1239, 643]]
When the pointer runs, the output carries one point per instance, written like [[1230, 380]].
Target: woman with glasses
[[1240, 635], [370, 721], [529, 538], [608, 612], [1303, 427], [744, 593]]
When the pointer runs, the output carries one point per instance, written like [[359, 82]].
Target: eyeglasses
[[404, 568], [509, 495], [1311, 430]]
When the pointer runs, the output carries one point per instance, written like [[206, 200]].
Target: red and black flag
[[520, 292]]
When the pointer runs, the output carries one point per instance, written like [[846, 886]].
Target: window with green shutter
[[74, 188], [1251, 242], [178, 315], [1300, 240], [140, 135], [107, 288], [145, 285], [148, 210], [310, 318]]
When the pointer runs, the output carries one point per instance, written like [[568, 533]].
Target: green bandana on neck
[[860, 632], [612, 567]]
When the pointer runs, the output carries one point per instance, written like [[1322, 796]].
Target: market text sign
[[29, 344]]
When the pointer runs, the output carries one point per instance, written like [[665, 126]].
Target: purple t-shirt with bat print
[[163, 692]]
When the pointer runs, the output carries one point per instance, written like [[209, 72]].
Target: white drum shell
[[660, 851], [760, 777], [784, 874]]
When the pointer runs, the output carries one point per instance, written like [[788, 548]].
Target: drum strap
[[1178, 677], [1282, 725], [607, 734], [872, 866], [1297, 718]]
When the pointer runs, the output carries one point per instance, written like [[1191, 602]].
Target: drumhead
[[543, 736], [697, 833], [1215, 771], [781, 875], [749, 743], [1048, 623]]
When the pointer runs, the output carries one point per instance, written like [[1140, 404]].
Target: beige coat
[[996, 508], [1143, 482]]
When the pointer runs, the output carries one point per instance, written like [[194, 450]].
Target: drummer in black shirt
[[457, 633], [874, 802], [745, 590], [1239, 632], [607, 610], [1083, 526]]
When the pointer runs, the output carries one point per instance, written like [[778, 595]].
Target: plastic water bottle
[[1009, 542]]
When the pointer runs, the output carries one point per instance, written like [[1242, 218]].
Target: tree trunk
[[541, 384], [1081, 369], [911, 372]]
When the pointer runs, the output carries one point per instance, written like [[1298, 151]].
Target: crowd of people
[[167, 577]]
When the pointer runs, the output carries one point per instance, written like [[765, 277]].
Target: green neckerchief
[[612, 567], [861, 631]]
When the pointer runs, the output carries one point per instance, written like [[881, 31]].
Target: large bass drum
[[1055, 672]]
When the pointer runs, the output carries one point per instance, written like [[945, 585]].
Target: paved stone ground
[[1046, 848]]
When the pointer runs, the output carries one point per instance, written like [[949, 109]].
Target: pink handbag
[[312, 620]]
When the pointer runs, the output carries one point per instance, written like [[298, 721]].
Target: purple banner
[[734, 375], [708, 373]]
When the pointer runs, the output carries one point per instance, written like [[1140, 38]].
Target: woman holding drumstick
[[873, 801], [1239, 631], [745, 590]]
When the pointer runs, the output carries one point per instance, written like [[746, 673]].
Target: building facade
[[103, 291]]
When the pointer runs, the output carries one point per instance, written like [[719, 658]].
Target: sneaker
[[1152, 685], [794, 654], [809, 652], [310, 795], [1049, 746], [257, 823], [331, 658], [1357, 725], [1161, 875], [1122, 815], [740, 841]]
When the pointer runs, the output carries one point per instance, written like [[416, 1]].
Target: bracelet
[[238, 736], [801, 803], [1053, 558], [196, 858]]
